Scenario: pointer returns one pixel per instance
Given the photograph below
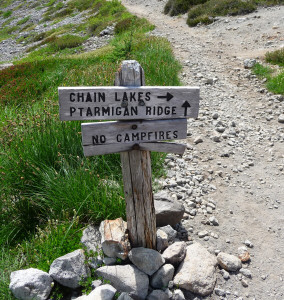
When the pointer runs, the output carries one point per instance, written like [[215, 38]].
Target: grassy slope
[[49, 190]]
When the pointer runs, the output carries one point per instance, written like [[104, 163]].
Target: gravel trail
[[235, 155]]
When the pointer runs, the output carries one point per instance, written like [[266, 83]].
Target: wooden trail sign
[[166, 109], [128, 103], [111, 137]]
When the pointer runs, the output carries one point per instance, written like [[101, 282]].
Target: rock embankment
[[141, 274]]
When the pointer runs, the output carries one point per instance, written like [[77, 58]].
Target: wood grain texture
[[116, 148], [131, 132], [137, 176]]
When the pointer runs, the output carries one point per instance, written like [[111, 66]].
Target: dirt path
[[242, 148]]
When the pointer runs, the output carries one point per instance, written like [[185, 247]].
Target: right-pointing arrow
[[169, 96], [186, 105]]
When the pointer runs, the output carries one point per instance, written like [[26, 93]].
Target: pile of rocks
[[136, 273]]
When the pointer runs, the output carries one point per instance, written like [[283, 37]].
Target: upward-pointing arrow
[[168, 96], [186, 105]]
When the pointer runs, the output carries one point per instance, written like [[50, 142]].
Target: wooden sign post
[[155, 114]]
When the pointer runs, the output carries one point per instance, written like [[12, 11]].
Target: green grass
[[44, 175], [24, 20], [7, 14], [6, 32], [275, 79]]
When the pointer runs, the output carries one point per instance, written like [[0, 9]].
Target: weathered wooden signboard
[[128, 103], [156, 114], [111, 137]]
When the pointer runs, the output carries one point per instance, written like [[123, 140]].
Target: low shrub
[[176, 7], [63, 13], [275, 57], [67, 41], [7, 14], [123, 25], [205, 13], [203, 19]]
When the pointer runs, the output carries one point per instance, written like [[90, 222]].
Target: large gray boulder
[[114, 238], [70, 269], [147, 260], [161, 278], [127, 279], [30, 284], [168, 211], [197, 272], [229, 262]]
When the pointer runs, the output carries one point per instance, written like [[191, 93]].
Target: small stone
[[220, 292], [91, 238], [124, 296], [215, 116], [70, 269], [248, 243], [96, 283], [127, 279], [245, 272], [229, 262], [203, 233], [30, 284], [216, 138], [249, 63], [175, 253], [168, 293], [115, 242], [170, 232], [244, 283], [178, 295], [243, 254], [213, 220], [225, 274], [198, 140], [147, 260], [109, 261], [168, 211], [281, 118], [157, 295], [103, 292], [163, 276], [162, 240]]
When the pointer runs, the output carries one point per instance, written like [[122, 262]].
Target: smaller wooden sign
[[111, 137]]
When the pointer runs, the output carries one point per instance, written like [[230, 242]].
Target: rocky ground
[[234, 165], [235, 155]]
